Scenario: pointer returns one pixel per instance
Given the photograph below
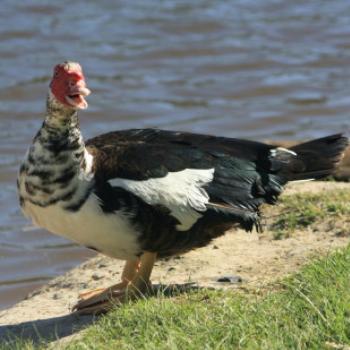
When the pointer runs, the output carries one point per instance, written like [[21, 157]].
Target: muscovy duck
[[144, 194]]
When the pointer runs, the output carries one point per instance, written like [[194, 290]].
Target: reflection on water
[[252, 69]]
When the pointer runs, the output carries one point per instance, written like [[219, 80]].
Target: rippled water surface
[[262, 69]]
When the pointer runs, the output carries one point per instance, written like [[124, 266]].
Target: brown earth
[[256, 258]]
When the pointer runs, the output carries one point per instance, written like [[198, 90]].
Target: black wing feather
[[241, 167], [246, 173]]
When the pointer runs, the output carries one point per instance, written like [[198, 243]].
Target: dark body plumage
[[246, 175]]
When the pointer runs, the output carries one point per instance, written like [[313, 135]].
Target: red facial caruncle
[[68, 85]]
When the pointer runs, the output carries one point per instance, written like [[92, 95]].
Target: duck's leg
[[135, 282], [141, 282]]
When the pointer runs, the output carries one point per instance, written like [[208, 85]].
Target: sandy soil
[[256, 259]]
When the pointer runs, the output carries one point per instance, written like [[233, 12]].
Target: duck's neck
[[60, 132], [58, 167], [61, 136]]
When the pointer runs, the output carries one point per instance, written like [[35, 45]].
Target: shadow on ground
[[45, 330], [55, 328]]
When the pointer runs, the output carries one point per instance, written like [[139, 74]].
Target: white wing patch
[[181, 192]]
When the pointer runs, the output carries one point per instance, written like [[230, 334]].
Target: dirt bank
[[256, 259]]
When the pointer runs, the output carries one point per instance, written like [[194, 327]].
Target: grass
[[331, 211], [310, 310]]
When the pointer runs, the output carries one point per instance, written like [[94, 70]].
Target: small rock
[[171, 268], [229, 279], [215, 247], [96, 277]]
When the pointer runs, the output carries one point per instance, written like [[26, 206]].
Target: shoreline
[[256, 258]]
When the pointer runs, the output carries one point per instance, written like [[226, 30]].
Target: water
[[262, 69]]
